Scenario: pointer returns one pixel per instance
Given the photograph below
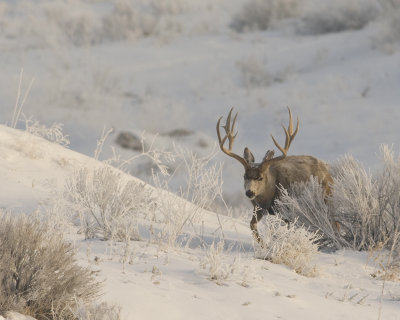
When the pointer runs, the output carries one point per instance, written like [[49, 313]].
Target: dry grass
[[39, 275]]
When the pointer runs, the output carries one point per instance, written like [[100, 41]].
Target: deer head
[[259, 182]]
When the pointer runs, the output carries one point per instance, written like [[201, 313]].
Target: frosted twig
[[18, 105], [100, 142]]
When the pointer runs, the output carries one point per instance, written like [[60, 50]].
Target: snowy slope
[[170, 283], [179, 64]]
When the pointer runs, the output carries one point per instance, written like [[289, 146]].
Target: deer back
[[299, 169]]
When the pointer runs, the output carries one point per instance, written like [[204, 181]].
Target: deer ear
[[248, 156], [269, 155]]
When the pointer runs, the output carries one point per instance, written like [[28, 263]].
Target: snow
[[171, 283], [16, 316], [192, 69]]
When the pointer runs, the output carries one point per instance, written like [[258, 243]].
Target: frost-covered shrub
[[304, 203], [51, 23], [108, 204], [203, 178], [198, 185], [385, 262], [127, 22], [368, 205], [39, 275], [158, 158], [387, 34], [168, 7], [287, 244], [78, 27], [87, 23], [215, 263], [262, 14], [337, 16], [355, 202], [53, 133], [130, 21], [363, 210], [388, 196], [102, 311], [221, 265]]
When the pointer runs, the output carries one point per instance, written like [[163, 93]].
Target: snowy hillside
[[158, 66], [150, 280]]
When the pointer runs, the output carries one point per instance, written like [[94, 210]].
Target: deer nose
[[250, 194]]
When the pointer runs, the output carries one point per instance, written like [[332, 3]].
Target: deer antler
[[289, 135], [230, 135]]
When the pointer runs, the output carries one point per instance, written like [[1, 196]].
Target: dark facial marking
[[252, 174]]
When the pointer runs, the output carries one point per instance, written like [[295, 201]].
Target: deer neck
[[266, 198]]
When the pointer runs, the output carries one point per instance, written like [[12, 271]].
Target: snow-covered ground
[[172, 282], [157, 66]]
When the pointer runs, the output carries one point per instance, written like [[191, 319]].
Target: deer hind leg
[[257, 215]]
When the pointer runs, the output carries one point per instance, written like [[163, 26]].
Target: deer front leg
[[257, 215]]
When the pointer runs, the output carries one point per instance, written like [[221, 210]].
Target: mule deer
[[262, 180]]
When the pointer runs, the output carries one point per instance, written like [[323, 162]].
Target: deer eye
[[259, 178]]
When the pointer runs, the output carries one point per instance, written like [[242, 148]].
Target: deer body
[[262, 180]]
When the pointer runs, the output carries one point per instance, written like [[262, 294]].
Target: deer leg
[[257, 215]]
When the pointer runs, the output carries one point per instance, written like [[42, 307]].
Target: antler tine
[[219, 133], [229, 129], [290, 120], [289, 135], [278, 146]]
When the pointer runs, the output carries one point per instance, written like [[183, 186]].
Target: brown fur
[[281, 171]]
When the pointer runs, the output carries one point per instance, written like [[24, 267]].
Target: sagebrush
[[39, 275], [262, 14], [215, 263], [107, 203], [304, 203], [387, 31], [338, 16], [54, 133], [287, 244], [363, 210], [81, 24], [202, 185], [101, 311]]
